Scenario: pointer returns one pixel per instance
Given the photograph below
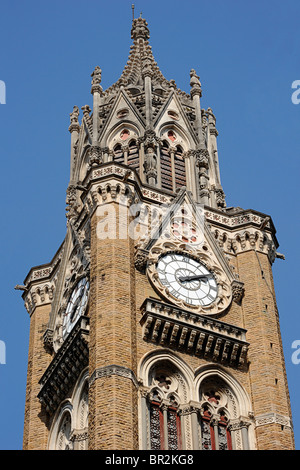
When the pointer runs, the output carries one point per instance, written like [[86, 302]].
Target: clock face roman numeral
[[187, 279], [76, 305]]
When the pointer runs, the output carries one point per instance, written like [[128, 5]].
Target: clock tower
[[155, 324]]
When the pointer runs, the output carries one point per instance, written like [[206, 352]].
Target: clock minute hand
[[193, 278]]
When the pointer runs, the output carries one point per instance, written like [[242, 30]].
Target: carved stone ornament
[[140, 29], [140, 259], [72, 208], [96, 76], [150, 165], [74, 124], [195, 83], [95, 156], [237, 291]]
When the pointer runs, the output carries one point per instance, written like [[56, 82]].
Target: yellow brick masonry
[[35, 435], [268, 383], [112, 399]]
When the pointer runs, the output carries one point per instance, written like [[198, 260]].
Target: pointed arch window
[[118, 154], [164, 420], [64, 433], [215, 433], [179, 164], [166, 167], [173, 174], [133, 155], [165, 426]]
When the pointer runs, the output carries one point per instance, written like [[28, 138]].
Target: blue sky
[[247, 56]]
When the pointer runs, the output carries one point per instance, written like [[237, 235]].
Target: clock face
[[187, 279], [76, 305]]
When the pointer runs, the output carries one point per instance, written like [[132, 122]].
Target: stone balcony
[[66, 366], [199, 335]]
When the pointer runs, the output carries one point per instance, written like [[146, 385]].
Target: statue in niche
[[150, 165]]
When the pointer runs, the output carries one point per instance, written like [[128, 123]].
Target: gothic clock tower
[[155, 324]]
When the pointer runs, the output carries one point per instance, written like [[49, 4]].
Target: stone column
[[74, 129], [96, 91]]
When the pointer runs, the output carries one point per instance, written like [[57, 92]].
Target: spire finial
[[132, 6]]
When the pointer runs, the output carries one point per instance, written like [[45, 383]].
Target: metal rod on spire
[[132, 6]]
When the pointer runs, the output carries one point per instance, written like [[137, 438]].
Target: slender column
[[125, 149], [74, 129], [173, 169], [144, 412], [165, 430], [196, 93], [195, 426], [214, 422], [245, 438], [96, 91]]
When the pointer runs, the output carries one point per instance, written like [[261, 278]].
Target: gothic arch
[[225, 410], [114, 136], [182, 137], [167, 386], [60, 432], [69, 428], [164, 356], [217, 372]]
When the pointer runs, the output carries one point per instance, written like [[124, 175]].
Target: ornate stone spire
[[140, 29]]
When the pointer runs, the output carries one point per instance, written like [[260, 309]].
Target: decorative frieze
[[111, 370], [270, 418]]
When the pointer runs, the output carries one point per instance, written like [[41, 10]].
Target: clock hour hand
[[194, 278]]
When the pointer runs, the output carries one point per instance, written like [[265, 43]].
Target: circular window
[[173, 115], [172, 136], [125, 134], [122, 113]]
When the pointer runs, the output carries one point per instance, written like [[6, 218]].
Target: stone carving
[[140, 29], [74, 115], [140, 260], [195, 84], [95, 156], [96, 76], [237, 291], [150, 165], [72, 208]]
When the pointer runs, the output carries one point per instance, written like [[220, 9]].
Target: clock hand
[[194, 278]]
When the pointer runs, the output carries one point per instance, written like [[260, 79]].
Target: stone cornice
[[212, 339]]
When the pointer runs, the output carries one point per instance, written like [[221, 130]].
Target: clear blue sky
[[247, 56]]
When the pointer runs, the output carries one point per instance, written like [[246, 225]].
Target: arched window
[[64, 433], [133, 155], [166, 393], [179, 164], [165, 426], [166, 167], [118, 154], [172, 164], [217, 404], [214, 430]]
